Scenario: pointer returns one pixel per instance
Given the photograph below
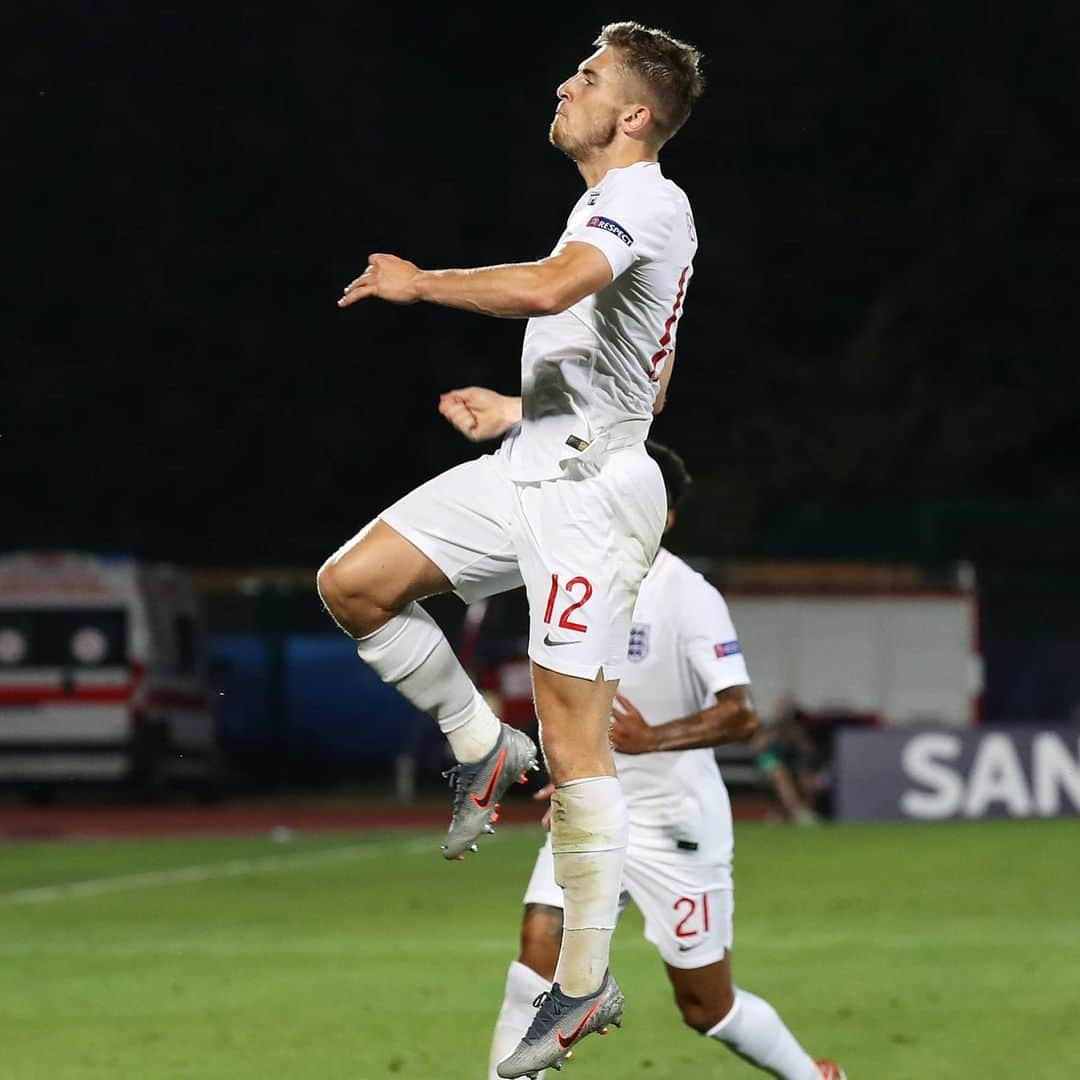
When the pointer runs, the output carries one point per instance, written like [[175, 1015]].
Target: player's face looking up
[[595, 106]]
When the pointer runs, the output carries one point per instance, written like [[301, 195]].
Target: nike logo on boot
[[567, 1041], [484, 799]]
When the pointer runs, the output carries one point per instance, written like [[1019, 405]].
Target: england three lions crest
[[639, 643]]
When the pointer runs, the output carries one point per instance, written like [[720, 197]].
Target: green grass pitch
[[947, 952]]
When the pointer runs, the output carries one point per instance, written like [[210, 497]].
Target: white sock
[[588, 837], [754, 1030], [412, 654], [523, 985]]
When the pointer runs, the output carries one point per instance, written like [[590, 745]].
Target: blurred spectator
[[791, 760]]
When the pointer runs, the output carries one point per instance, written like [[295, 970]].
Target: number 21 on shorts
[[695, 916], [571, 587]]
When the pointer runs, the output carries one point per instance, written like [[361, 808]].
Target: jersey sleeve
[[625, 226], [709, 640]]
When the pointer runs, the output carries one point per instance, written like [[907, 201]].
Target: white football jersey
[[683, 651], [599, 362]]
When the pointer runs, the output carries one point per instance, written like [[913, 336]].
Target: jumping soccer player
[[685, 690], [571, 505]]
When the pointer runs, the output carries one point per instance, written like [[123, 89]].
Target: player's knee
[[350, 584], [703, 1014], [699, 1016], [343, 602], [331, 585], [541, 938]]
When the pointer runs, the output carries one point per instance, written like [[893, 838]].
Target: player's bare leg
[[711, 1004], [541, 938], [371, 587], [588, 839], [374, 577]]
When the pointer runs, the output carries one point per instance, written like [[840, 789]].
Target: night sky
[[880, 340]]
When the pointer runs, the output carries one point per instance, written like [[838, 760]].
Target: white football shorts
[[581, 545], [688, 907]]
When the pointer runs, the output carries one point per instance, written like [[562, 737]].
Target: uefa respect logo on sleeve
[[613, 227]]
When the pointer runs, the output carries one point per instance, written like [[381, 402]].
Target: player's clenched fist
[[479, 413], [388, 278]]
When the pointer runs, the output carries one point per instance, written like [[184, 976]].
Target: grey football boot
[[560, 1023], [478, 787]]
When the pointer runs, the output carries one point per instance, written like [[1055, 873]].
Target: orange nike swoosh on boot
[[484, 799], [565, 1042]]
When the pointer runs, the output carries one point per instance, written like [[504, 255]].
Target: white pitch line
[[333, 948], [184, 875]]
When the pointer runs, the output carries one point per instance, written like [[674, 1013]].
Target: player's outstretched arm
[[732, 719], [513, 291], [479, 413]]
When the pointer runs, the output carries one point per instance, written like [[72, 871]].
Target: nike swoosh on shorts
[[687, 948], [548, 641]]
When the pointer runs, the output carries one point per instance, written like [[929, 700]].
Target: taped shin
[[588, 837]]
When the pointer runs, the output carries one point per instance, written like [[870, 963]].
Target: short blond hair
[[668, 69]]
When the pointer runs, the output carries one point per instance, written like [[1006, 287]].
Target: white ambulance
[[102, 674]]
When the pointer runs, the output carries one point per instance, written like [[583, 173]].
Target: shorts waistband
[[627, 433], [617, 437]]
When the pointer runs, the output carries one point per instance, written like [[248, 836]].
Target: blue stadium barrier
[[309, 698], [338, 709], [239, 675]]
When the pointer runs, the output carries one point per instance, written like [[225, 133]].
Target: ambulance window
[[184, 630], [78, 637], [95, 637], [14, 639], [89, 645]]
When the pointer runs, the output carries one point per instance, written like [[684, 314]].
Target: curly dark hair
[[667, 68]]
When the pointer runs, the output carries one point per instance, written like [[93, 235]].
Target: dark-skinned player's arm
[[513, 291], [732, 719]]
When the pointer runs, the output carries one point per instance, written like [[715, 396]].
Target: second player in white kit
[[684, 690]]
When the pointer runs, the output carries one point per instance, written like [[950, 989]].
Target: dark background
[[878, 357]]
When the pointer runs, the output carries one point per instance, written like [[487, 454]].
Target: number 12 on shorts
[[564, 619]]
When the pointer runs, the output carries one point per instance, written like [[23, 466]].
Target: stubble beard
[[599, 138]]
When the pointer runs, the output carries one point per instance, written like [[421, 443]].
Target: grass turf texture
[[908, 951]]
